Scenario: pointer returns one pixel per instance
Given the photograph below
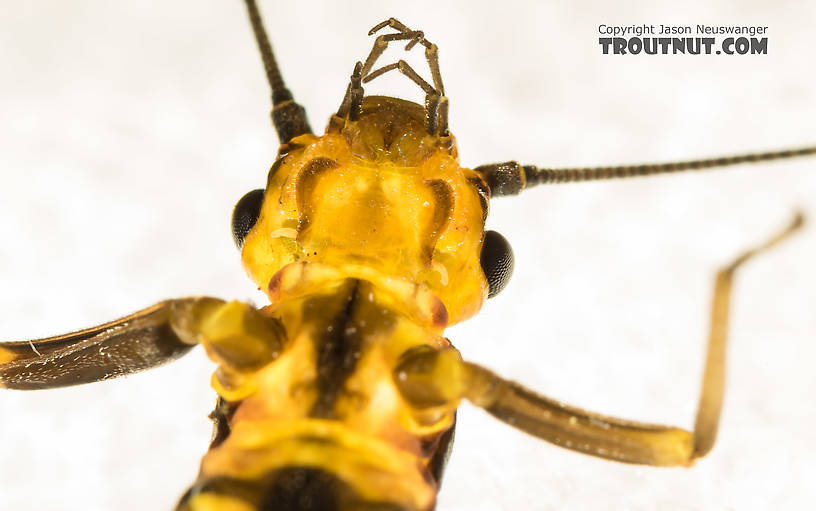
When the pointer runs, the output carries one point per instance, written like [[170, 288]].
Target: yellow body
[[375, 230], [379, 199]]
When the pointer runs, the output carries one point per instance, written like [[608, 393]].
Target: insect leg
[[353, 100], [381, 43], [145, 339], [237, 336], [416, 36], [288, 116], [436, 104], [609, 437], [404, 68]]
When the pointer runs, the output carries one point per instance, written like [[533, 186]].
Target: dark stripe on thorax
[[337, 347]]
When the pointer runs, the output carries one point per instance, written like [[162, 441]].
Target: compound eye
[[245, 215], [497, 262]]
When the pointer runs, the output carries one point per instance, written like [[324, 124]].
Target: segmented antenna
[[537, 175], [510, 178], [288, 117]]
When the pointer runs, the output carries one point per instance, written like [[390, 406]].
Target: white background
[[129, 131]]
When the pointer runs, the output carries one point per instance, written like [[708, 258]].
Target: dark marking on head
[[439, 314], [484, 194], [274, 286], [305, 187], [273, 170], [287, 148], [443, 205]]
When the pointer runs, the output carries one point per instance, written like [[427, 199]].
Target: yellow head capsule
[[376, 198]]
